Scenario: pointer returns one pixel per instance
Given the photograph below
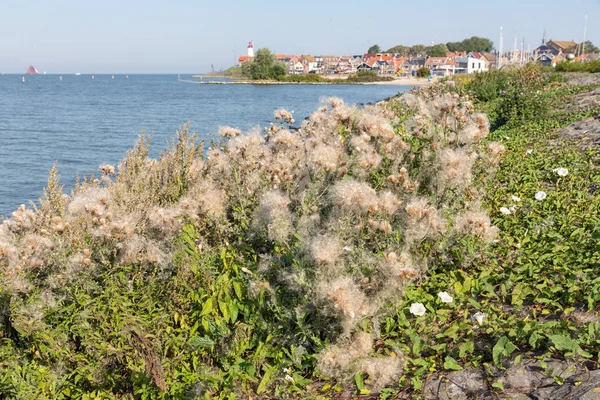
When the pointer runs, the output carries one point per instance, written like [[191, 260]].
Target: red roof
[[456, 54]]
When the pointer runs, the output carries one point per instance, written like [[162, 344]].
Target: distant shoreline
[[238, 81]]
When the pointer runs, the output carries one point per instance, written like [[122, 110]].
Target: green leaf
[[360, 383], [201, 342], [451, 364], [465, 348], [563, 343], [207, 308], [498, 385], [503, 347], [262, 386]]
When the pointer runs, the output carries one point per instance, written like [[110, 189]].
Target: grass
[[159, 283]]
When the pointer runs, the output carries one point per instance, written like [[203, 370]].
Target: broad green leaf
[[360, 383], [207, 308], [451, 364], [264, 383]]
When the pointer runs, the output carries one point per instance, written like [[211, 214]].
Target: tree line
[[474, 43]]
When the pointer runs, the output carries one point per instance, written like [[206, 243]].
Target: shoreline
[[414, 82]]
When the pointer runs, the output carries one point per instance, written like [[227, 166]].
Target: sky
[[186, 36]]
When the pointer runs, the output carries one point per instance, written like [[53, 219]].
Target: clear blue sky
[[152, 36]]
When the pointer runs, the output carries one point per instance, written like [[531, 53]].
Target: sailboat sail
[[31, 71]]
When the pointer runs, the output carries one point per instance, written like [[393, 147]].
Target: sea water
[[80, 123]]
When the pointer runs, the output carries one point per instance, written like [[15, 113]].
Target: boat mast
[[500, 50], [584, 32]]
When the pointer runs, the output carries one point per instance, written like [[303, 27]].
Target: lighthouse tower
[[250, 50]]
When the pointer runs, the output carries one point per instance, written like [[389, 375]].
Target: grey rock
[[588, 389], [460, 385]]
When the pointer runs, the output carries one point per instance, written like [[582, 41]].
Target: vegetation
[[310, 78], [571, 66], [474, 43], [364, 253], [263, 66], [375, 49], [368, 76], [423, 72], [439, 50]]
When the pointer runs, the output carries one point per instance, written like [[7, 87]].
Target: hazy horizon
[[184, 37]]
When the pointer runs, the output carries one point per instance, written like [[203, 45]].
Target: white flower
[[515, 198], [529, 152], [479, 317], [506, 137], [513, 208], [561, 171], [445, 297], [417, 309], [504, 210], [286, 370], [348, 249], [289, 379], [541, 195]]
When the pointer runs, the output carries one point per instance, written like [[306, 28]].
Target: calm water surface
[[81, 123]]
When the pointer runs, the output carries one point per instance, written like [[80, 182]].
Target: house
[[310, 64], [243, 59], [456, 54], [471, 64], [400, 65], [413, 64], [562, 46], [491, 59], [441, 66]]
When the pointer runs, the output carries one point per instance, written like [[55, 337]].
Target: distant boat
[[31, 71], [77, 73]]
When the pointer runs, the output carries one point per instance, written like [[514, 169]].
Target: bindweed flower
[[541, 195], [445, 297], [417, 309], [561, 171], [479, 317], [515, 198], [504, 210], [246, 270]]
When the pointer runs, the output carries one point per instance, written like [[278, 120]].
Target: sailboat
[[31, 71]]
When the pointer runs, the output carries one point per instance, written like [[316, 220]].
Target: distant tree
[[278, 69], [417, 49], [247, 69], [454, 46], [590, 48], [473, 43], [262, 64], [423, 72], [403, 51], [374, 49], [438, 50]]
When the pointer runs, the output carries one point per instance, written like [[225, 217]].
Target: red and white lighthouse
[[250, 49]]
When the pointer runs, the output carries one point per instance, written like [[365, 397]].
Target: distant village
[[549, 53]]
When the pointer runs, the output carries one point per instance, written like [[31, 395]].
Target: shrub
[[200, 274], [423, 72]]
